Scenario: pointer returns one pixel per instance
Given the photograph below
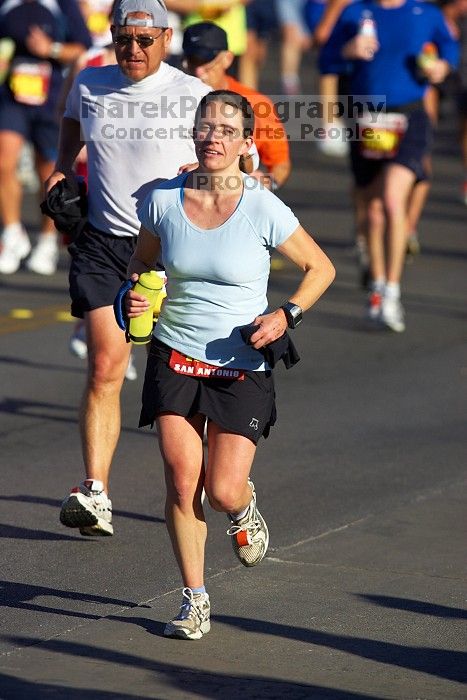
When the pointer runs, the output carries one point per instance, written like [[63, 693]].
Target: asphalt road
[[362, 483]]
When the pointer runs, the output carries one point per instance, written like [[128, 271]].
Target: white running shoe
[[89, 508], [392, 314], [333, 144], [78, 346], [333, 148], [130, 373], [250, 534], [291, 84], [193, 619], [14, 246], [44, 257]]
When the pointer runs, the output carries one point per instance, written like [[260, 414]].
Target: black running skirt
[[245, 407]]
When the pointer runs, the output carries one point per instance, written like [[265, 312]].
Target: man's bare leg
[[14, 241], [11, 144], [398, 186], [88, 506], [108, 355]]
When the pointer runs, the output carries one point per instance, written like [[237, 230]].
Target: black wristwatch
[[293, 314]]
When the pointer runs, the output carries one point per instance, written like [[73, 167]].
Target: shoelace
[[190, 608], [251, 527], [101, 501]]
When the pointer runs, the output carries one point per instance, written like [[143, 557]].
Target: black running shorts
[[98, 267], [415, 146], [245, 407]]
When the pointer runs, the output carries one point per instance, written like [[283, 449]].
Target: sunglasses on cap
[[144, 41]]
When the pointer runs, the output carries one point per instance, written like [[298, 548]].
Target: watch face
[[293, 314], [297, 315]]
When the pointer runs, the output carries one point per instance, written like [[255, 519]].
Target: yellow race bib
[[30, 82]]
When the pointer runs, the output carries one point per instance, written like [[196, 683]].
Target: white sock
[[378, 285], [16, 227], [199, 589], [48, 236], [291, 80], [239, 516], [392, 290]]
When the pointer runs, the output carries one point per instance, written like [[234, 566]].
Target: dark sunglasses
[[143, 40]]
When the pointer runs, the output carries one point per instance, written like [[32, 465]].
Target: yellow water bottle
[[150, 285]]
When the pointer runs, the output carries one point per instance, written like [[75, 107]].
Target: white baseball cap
[[155, 8]]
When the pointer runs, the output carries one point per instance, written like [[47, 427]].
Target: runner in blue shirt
[[44, 37], [386, 46]]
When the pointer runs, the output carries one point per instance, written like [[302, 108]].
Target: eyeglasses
[[221, 131], [144, 41]]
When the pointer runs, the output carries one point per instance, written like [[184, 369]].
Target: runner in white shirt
[[135, 119]]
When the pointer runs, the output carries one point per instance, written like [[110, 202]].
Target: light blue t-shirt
[[217, 278]]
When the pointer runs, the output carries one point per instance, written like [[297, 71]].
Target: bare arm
[[280, 172], [318, 271], [331, 14], [147, 250], [40, 44], [436, 71], [143, 259], [361, 48]]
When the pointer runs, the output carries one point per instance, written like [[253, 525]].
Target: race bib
[[30, 82], [181, 364], [381, 137]]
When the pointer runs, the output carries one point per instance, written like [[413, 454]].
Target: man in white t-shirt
[[135, 119]]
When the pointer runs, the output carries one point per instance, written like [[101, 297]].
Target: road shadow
[[16, 532], [36, 289], [207, 684], [42, 410], [22, 362], [19, 689], [442, 663], [20, 596], [153, 627], [420, 607], [55, 503]]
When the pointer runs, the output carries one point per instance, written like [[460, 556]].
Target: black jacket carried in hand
[[280, 349], [67, 205]]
